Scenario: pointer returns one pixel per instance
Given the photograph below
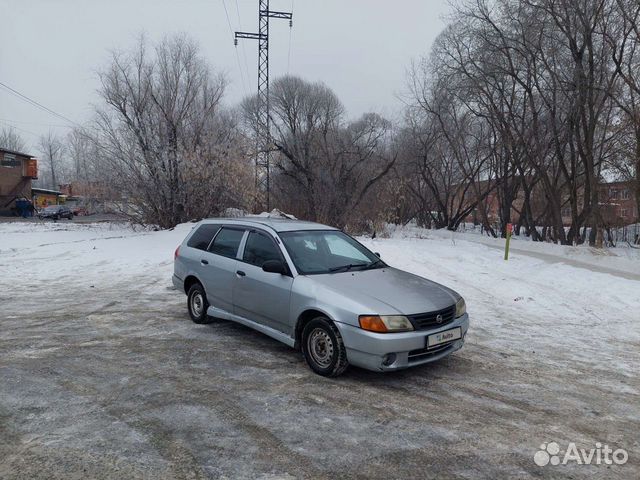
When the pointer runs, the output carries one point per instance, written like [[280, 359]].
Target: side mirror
[[377, 254], [274, 266]]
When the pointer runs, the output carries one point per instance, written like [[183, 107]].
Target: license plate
[[444, 337]]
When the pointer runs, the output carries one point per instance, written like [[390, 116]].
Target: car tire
[[323, 348], [197, 304], [71, 216]]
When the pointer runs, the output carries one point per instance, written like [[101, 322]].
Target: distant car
[[314, 287], [56, 212]]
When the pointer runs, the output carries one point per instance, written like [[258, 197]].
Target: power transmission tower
[[264, 144]]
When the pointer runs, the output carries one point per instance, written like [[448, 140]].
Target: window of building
[[623, 212], [260, 249], [227, 242], [613, 193], [625, 194], [9, 160], [203, 236]]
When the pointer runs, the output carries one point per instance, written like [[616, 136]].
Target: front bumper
[[368, 349]]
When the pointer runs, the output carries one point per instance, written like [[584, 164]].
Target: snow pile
[[275, 213]]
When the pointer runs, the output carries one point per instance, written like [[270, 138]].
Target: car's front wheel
[[197, 304], [323, 348]]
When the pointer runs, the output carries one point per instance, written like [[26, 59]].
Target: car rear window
[[202, 236], [227, 242]]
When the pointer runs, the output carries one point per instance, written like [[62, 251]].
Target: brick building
[[617, 204], [17, 170], [89, 190]]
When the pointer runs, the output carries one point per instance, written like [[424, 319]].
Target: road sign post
[[506, 245]]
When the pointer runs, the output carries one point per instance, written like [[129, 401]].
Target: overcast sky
[[50, 49]]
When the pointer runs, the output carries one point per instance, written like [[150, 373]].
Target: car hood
[[402, 291]]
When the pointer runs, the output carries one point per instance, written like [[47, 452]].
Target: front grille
[[423, 353], [424, 321]]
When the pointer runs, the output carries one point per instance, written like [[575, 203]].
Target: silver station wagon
[[315, 288]]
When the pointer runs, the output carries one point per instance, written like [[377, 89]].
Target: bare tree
[[162, 135], [82, 155], [624, 39], [11, 140], [538, 78], [449, 150], [52, 149], [325, 165]]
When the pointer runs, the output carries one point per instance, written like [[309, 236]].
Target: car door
[[197, 247], [218, 267], [261, 296]]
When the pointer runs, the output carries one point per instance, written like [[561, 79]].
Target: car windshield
[[51, 208], [327, 251]]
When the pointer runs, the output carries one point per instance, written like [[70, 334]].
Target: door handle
[[204, 262], [241, 273]]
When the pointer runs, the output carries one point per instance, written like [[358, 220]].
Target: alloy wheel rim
[[320, 346]]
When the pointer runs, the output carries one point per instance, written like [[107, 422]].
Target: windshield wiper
[[348, 267], [373, 264]]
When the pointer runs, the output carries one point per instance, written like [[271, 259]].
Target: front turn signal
[[385, 323], [373, 323]]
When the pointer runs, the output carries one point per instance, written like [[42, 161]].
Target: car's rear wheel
[[197, 304], [323, 348]]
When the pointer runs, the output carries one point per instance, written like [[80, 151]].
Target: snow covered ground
[[89, 323], [621, 258], [36, 254]]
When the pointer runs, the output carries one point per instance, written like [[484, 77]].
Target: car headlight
[[385, 323], [461, 308]]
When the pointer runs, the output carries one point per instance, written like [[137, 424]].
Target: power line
[[226, 12], [57, 125], [244, 49], [32, 102], [18, 128]]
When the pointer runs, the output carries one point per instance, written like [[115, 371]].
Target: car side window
[[227, 242], [260, 249], [203, 236]]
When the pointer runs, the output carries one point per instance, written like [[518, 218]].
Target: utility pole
[[263, 129]]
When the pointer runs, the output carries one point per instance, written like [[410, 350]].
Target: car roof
[[277, 224]]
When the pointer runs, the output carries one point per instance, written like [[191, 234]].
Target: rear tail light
[[175, 255]]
